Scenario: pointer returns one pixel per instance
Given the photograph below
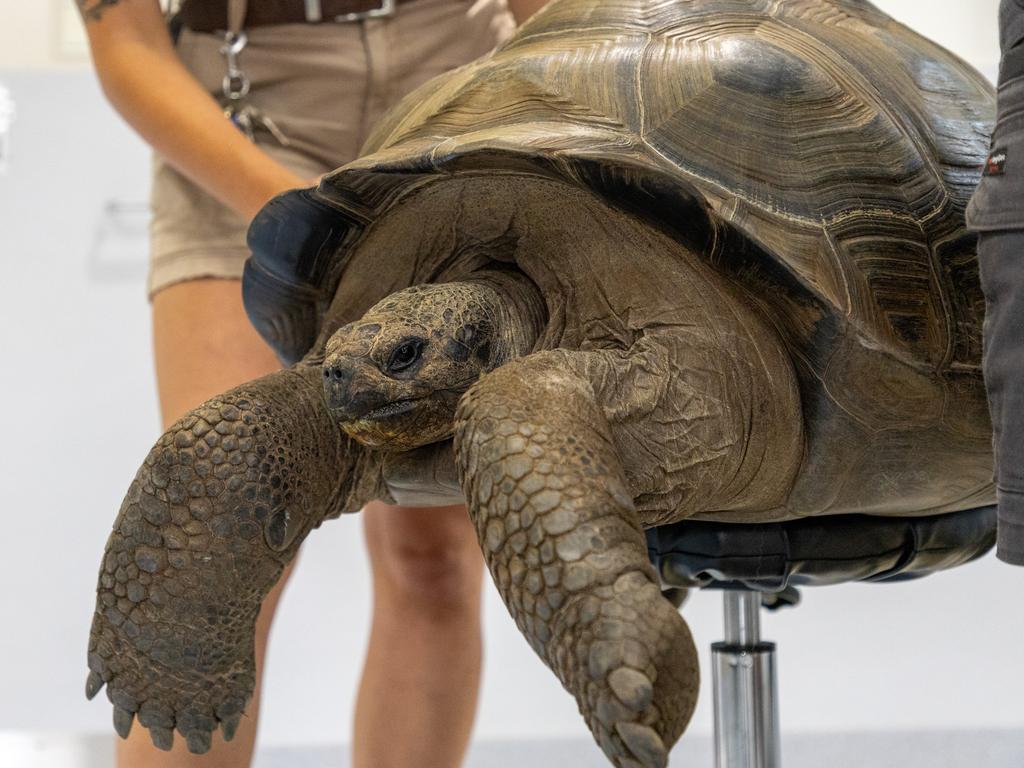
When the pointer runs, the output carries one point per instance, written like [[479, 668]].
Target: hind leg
[[560, 535]]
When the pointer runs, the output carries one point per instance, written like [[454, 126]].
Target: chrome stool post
[[745, 692]]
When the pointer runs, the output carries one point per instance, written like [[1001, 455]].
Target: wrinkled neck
[[519, 310]]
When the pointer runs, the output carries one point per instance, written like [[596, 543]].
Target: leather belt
[[212, 15]]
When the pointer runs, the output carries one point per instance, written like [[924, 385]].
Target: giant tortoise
[[647, 261]]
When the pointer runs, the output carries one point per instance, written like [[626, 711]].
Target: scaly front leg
[[217, 510], [561, 538]]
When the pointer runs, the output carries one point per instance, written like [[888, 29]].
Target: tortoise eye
[[405, 355]]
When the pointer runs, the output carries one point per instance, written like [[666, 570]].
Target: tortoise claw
[[229, 725], [198, 742], [163, 738], [123, 720], [93, 685], [645, 744]]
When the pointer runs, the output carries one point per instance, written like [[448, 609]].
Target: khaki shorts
[[324, 85]]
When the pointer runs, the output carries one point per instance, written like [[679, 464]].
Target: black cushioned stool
[[763, 564]]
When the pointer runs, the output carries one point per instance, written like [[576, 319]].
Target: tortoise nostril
[[337, 377]]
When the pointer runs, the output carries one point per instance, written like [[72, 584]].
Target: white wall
[[41, 34], [79, 415], [967, 27]]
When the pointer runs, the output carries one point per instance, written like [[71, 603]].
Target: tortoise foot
[[628, 658], [161, 700]]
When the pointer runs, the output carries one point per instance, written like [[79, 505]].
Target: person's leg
[[205, 345], [417, 698]]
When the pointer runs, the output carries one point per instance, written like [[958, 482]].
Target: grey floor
[[990, 749], [902, 750]]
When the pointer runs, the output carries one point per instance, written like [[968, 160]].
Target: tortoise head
[[394, 378]]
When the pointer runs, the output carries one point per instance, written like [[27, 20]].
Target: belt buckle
[[387, 8]]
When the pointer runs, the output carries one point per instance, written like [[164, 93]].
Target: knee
[[435, 578], [431, 570]]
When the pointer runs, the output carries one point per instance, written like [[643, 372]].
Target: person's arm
[[144, 80], [524, 9]]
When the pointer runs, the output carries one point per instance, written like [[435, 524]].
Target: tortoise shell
[[815, 153]]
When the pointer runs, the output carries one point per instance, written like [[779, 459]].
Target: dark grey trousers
[[997, 214], [1002, 278]]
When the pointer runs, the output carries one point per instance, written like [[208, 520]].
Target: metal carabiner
[[236, 83], [246, 117], [234, 44]]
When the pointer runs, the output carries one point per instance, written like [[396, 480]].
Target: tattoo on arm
[[92, 10]]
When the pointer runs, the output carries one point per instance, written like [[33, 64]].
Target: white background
[[77, 414]]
